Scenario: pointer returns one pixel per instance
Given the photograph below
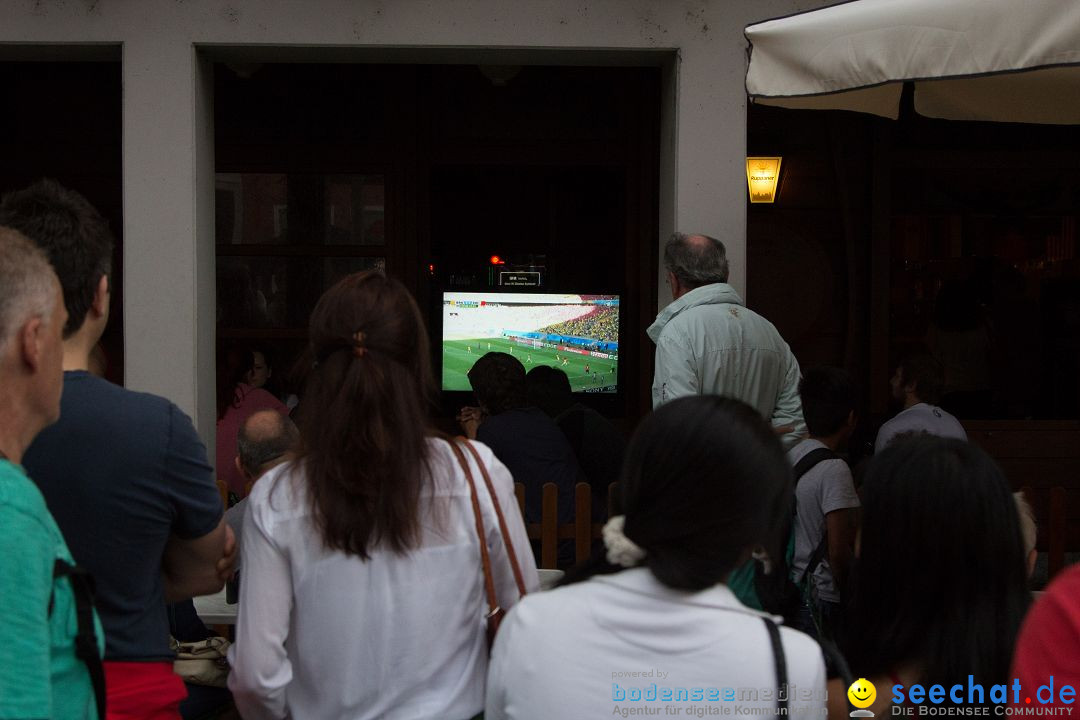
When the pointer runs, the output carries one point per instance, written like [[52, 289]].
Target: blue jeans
[[829, 615]]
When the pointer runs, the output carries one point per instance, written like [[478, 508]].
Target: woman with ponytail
[[652, 624], [363, 594]]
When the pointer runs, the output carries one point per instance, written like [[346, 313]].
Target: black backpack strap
[[781, 668], [816, 557], [810, 459], [86, 647]]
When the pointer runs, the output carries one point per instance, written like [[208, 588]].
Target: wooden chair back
[[583, 531]]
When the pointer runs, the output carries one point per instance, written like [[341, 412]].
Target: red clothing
[[142, 691], [248, 401], [1049, 642]]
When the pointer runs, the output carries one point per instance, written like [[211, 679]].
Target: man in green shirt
[[40, 673]]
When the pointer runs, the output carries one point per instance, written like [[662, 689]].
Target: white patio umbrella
[[1002, 60]]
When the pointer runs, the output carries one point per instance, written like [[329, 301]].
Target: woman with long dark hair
[[939, 587], [652, 623], [363, 593]]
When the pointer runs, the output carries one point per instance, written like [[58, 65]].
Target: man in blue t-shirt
[[41, 674], [124, 473]]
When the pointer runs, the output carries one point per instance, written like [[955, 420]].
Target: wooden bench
[[549, 532]]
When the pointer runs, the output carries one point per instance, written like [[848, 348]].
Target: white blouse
[[624, 642], [324, 635]]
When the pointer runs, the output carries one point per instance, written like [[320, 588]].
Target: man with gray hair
[[42, 672], [265, 440], [709, 343]]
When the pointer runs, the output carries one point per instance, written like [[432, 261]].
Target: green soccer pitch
[[460, 355]]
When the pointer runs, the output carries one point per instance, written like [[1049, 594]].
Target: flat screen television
[[579, 334]]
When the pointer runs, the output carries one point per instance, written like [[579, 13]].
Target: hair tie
[[621, 550], [358, 344]]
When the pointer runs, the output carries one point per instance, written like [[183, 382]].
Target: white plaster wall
[[167, 161]]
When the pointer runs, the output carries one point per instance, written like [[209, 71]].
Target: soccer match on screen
[[578, 334]]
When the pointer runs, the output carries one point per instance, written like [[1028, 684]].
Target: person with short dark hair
[[41, 673], [498, 380], [124, 473], [709, 342], [939, 586], [825, 498], [526, 440], [916, 385], [705, 481], [363, 587], [597, 443]]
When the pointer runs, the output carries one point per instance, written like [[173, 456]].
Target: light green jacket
[[708, 343]]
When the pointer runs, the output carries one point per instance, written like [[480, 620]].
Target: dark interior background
[[62, 120], [887, 236], [544, 166]]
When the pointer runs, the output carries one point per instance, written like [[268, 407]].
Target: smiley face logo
[[862, 693]]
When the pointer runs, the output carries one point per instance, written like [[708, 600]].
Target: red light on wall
[[496, 260]]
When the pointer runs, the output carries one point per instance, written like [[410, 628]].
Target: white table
[[213, 610]]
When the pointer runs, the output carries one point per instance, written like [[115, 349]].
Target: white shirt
[[920, 417], [571, 652], [325, 635], [825, 488]]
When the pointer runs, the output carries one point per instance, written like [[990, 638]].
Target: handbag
[[202, 662], [495, 613]]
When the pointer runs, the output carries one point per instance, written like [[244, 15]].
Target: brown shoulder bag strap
[[518, 577], [489, 582]]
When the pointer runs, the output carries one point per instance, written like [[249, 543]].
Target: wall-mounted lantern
[[762, 176]]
